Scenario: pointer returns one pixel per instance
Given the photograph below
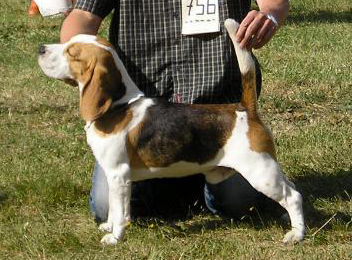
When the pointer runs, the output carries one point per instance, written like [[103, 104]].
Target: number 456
[[202, 8]]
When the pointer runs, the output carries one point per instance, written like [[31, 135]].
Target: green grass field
[[45, 163]]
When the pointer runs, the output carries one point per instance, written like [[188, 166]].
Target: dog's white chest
[[109, 150]]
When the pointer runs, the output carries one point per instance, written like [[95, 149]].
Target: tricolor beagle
[[135, 138]]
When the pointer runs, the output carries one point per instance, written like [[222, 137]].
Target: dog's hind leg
[[258, 165], [265, 175]]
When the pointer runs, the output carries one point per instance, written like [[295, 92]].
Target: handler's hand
[[255, 30]]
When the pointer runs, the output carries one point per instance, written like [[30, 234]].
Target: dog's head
[[89, 63]]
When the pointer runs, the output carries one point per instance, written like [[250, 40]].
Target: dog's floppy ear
[[102, 85]]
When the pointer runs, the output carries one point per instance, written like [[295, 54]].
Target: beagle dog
[[135, 138]]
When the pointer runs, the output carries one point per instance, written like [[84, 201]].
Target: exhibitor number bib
[[200, 16]]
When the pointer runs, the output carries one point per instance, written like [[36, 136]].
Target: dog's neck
[[132, 91]]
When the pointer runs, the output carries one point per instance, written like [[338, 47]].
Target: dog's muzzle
[[41, 49]]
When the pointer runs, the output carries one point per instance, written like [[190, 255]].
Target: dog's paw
[[109, 239], [106, 227], [293, 237], [119, 232]]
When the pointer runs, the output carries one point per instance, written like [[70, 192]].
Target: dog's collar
[[116, 103]]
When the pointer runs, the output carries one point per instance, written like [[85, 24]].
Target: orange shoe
[[33, 9]]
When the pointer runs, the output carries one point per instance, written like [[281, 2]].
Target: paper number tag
[[200, 16]]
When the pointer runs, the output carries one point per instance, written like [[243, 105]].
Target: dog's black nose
[[41, 49]]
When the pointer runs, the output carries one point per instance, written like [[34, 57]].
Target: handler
[[178, 50]]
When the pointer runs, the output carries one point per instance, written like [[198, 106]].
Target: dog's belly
[[179, 169]]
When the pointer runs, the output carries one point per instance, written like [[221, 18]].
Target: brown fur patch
[[113, 122], [249, 95], [260, 138], [136, 162]]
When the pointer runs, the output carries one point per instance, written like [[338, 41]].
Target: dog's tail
[[247, 68]]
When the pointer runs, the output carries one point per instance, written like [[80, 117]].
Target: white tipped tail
[[247, 68]]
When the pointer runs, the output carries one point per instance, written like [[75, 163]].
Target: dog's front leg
[[119, 204]]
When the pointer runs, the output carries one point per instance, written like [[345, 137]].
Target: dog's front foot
[[109, 239], [113, 238], [293, 236], [106, 227]]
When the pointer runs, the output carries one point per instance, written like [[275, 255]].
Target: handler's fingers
[[264, 30], [261, 34], [249, 30], [244, 26], [266, 38]]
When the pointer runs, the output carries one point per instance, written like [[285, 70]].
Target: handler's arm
[[277, 8], [256, 29], [79, 22]]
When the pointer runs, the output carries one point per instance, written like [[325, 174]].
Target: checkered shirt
[[165, 63]]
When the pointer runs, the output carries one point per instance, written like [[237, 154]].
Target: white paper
[[200, 16], [53, 7]]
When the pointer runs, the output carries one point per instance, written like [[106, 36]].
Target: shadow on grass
[[182, 199], [320, 17], [313, 187], [3, 197], [326, 186], [316, 186]]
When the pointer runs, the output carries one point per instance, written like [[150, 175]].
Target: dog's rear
[[269, 178]]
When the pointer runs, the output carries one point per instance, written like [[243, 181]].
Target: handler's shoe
[[33, 9]]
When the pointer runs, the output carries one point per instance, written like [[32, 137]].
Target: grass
[[46, 165]]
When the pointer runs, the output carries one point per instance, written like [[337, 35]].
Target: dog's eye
[[74, 52]]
